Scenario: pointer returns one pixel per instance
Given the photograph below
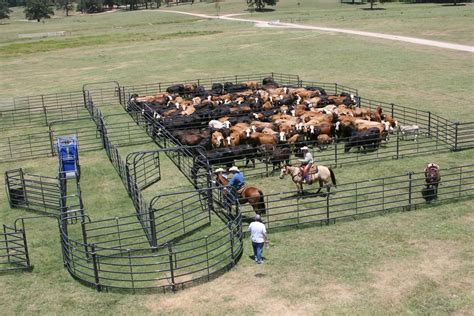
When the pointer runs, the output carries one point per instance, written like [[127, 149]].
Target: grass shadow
[[373, 9]]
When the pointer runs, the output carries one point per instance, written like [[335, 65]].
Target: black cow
[[315, 88], [177, 88], [230, 87], [217, 89], [247, 152], [368, 140], [275, 155]]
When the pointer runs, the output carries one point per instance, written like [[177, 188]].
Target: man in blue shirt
[[236, 182]]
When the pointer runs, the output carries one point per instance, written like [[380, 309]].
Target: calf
[[409, 130]]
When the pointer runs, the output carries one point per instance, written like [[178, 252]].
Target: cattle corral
[[156, 251]]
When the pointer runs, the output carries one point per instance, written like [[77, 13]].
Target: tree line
[[43, 9]]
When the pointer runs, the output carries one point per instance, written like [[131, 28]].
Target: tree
[[4, 10], [90, 6], [38, 9], [66, 5], [260, 4], [371, 4]]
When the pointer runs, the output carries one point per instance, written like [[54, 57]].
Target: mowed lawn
[[409, 262]]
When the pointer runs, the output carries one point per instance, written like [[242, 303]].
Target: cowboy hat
[[234, 168], [219, 170], [304, 148]]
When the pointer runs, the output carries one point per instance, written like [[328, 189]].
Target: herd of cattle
[[252, 120]]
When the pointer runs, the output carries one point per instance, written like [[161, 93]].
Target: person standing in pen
[[258, 234]]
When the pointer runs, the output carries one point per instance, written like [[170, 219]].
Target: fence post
[[45, 114], [210, 204], [327, 209], [456, 127], [460, 182], [25, 245], [85, 100], [335, 153], [392, 108], [51, 140], [231, 236], [335, 88], [429, 123], [6, 241], [84, 235], [154, 242], [170, 256], [398, 144], [410, 187], [23, 186], [96, 269]]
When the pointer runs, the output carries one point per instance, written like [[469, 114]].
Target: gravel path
[[261, 23]]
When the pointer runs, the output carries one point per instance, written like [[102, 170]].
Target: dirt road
[[277, 24]]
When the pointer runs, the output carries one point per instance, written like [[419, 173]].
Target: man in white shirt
[[306, 163], [258, 234]]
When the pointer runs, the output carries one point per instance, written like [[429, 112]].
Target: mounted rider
[[431, 165], [220, 172], [236, 183], [306, 163]]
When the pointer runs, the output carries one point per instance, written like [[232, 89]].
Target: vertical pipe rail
[[170, 257], [410, 187], [456, 127], [25, 244], [98, 287], [6, 241]]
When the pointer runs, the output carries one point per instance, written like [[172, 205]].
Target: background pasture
[[412, 262]]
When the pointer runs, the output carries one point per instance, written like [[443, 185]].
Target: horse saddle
[[242, 190], [313, 170]]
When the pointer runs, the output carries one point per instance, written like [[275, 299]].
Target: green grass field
[[417, 262]]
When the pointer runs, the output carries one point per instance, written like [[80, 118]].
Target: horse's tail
[[333, 177], [261, 203]]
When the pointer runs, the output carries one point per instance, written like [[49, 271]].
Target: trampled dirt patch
[[436, 261], [245, 290]]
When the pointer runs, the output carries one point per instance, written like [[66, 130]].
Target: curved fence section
[[117, 256]]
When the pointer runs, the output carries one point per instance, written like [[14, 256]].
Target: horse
[[324, 175], [252, 195], [432, 179]]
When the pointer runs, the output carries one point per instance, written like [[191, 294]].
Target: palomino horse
[[324, 175], [252, 195], [432, 179]]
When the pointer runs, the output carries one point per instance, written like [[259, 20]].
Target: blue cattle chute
[[68, 155]]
